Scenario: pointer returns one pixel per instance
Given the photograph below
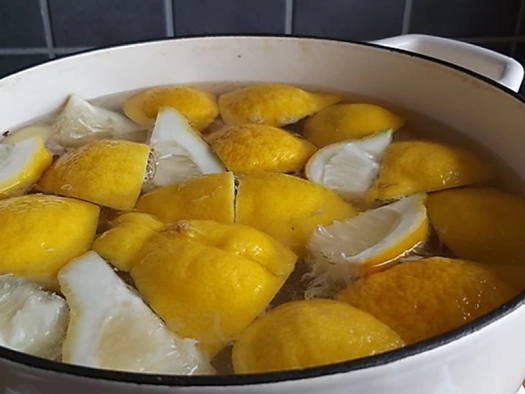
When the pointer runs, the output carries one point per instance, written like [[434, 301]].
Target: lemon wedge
[[112, 328], [32, 320], [21, 165], [42, 131], [349, 168], [345, 250], [80, 122], [181, 152]]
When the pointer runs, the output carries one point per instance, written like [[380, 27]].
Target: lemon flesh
[[180, 151], [303, 334], [32, 320], [112, 328], [21, 165], [349, 168]]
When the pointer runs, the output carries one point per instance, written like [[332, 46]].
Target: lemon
[[42, 233], [181, 152], [428, 297], [112, 328], [203, 197], [303, 334], [287, 208], [368, 242], [259, 148], [80, 122], [209, 280], [485, 225], [109, 173], [349, 167], [21, 165], [410, 167], [272, 104], [349, 121], [43, 131], [198, 106], [32, 320]]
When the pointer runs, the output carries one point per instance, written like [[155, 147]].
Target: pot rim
[[281, 376]]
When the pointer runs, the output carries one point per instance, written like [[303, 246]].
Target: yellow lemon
[[208, 197], [366, 243], [21, 165], [288, 208], [410, 167], [349, 121], [485, 225], [109, 173], [209, 280], [259, 148], [42, 233], [198, 106], [311, 333], [272, 104], [428, 297]]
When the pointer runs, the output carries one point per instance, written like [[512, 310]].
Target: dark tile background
[[32, 31]]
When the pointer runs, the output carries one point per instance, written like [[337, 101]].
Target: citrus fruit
[[260, 148], [415, 166], [109, 173], [32, 320], [287, 208], [272, 104], [303, 334], [428, 297], [112, 328], [480, 224], [368, 242], [208, 197], [42, 233], [180, 150], [349, 121], [198, 106], [349, 167], [45, 132], [209, 280], [21, 165]]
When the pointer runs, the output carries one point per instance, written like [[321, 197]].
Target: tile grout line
[[168, 16], [288, 17], [48, 32], [407, 15], [519, 24]]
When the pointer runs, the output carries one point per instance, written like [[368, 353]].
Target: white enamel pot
[[486, 356]]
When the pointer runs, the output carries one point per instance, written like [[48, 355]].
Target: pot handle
[[500, 68]]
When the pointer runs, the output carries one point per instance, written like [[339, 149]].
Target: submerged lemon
[[349, 121], [109, 173], [272, 104], [198, 106], [259, 148], [428, 297], [304, 334]]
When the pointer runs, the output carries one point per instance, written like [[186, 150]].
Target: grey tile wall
[[32, 31]]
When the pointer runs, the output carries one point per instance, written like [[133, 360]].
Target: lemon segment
[[271, 104], [112, 328], [428, 297], [109, 173], [370, 241], [208, 197], [303, 334], [32, 320], [349, 168], [485, 225], [254, 148], [180, 151], [25, 133], [198, 106], [287, 208], [21, 165], [410, 167], [349, 121], [42, 233]]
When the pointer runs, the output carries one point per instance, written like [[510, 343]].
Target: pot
[[486, 356]]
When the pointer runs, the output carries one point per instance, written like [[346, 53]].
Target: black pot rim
[[276, 377]]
